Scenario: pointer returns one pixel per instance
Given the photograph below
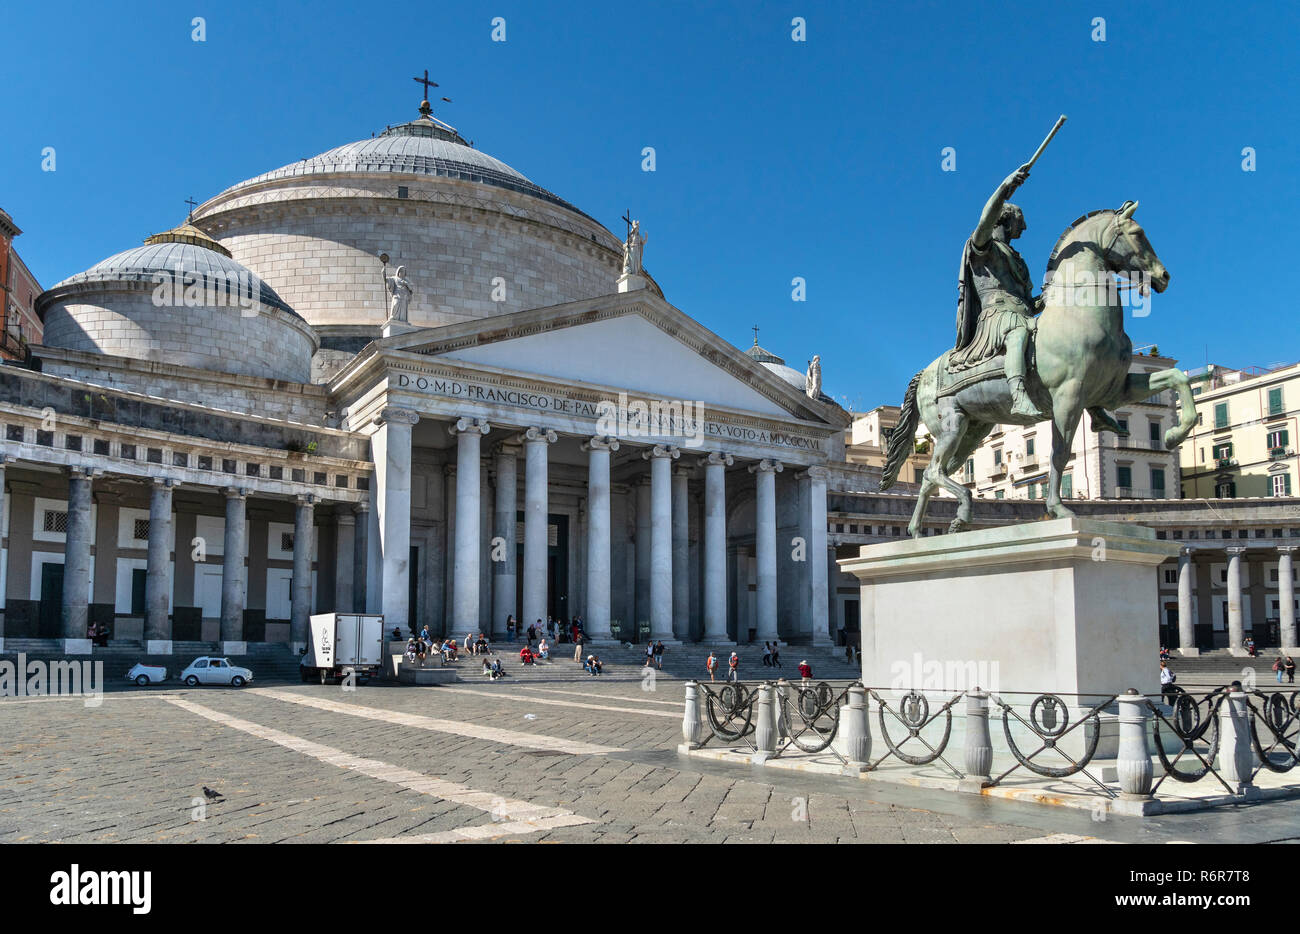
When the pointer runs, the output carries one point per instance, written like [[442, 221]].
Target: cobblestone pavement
[[568, 759]]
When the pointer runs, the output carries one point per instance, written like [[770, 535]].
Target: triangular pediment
[[638, 343]]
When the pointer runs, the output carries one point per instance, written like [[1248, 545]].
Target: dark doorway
[[557, 570], [138, 577], [413, 592], [51, 601]]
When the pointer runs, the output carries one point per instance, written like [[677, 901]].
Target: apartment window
[[45, 438], [1278, 439], [205, 462], [319, 478], [1275, 401], [1221, 415], [341, 481], [1178, 533], [970, 469], [227, 465], [101, 446], [1153, 431], [1157, 480], [1000, 494], [1200, 418], [1067, 485], [1171, 576], [363, 483], [127, 452], [1223, 451], [1029, 447], [298, 475], [1124, 476], [252, 470], [14, 433], [72, 442], [153, 455], [56, 521], [1282, 484], [1193, 533], [1225, 490], [276, 472], [180, 459], [918, 474], [997, 456], [1123, 423]]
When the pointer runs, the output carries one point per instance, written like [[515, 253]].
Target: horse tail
[[902, 440]]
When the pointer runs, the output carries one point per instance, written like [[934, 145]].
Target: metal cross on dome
[[192, 203], [426, 82]]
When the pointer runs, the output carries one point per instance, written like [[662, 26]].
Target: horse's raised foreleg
[[1138, 386], [1067, 407]]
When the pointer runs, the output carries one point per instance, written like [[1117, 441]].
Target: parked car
[[211, 669], [143, 674]]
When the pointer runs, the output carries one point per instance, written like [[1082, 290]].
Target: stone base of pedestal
[[158, 647], [630, 282], [1188, 653], [76, 646], [392, 327], [234, 648], [1061, 606], [412, 674]]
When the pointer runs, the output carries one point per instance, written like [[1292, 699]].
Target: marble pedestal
[[1064, 605]]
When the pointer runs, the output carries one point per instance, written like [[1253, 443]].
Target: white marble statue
[[400, 288], [632, 250], [813, 380]]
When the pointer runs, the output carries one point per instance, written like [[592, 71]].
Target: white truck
[[343, 643]]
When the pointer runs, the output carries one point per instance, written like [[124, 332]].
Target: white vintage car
[[143, 674], [211, 669]]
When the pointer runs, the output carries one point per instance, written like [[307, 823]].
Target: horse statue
[[1081, 358]]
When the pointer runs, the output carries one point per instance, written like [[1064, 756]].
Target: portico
[[578, 495]]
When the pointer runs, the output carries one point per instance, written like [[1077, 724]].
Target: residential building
[[19, 324]]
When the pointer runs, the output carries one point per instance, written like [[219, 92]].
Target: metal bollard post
[[692, 726], [765, 729], [853, 741], [1134, 761], [979, 744], [781, 702], [1235, 754]]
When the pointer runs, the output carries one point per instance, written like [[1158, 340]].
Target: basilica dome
[[182, 299], [477, 237]]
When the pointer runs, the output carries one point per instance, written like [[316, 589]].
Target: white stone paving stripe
[[635, 700], [524, 817], [1063, 838], [455, 727], [533, 699], [487, 831]]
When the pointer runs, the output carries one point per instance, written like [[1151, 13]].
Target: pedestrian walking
[[733, 667], [659, 655], [711, 665], [776, 654], [805, 670], [511, 626], [1167, 679], [649, 655], [1279, 666], [578, 640], [1290, 670], [767, 655]]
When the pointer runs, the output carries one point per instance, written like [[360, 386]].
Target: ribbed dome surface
[[420, 147], [195, 263]]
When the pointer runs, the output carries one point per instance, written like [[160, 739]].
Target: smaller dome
[[166, 254]]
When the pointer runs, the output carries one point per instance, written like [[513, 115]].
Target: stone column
[[1186, 621], [391, 449], [765, 472], [469, 434], [641, 591], [681, 555], [300, 594], [234, 582], [1235, 633], [157, 625], [715, 546], [360, 557], [661, 458], [1285, 595], [504, 573], [536, 507], [76, 556], [596, 612], [815, 530], [345, 524]]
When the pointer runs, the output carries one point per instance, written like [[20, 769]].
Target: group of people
[[654, 655], [553, 629], [97, 633], [419, 647], [771, 658]]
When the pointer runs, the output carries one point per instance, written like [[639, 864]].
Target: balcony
[[1028, 462], [998, 470], [1225, 463], [1277, 454]]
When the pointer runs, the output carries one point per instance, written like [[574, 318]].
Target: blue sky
[[775, 158]]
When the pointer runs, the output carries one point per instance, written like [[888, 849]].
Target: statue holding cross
[[633, 246]]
